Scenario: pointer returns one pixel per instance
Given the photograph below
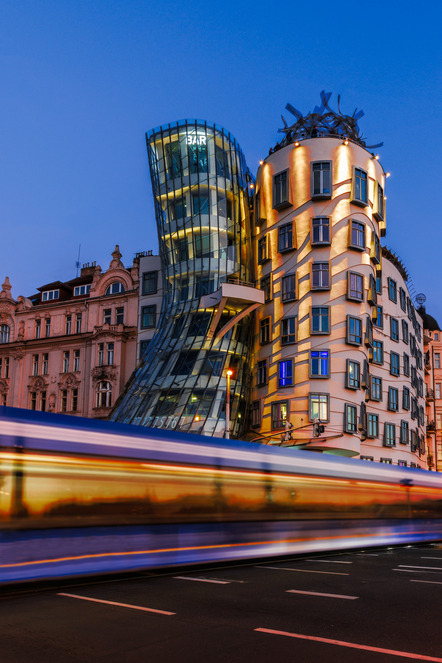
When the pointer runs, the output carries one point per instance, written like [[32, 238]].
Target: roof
[[428, 321]]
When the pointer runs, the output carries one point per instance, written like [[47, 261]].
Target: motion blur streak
[[75, 502]]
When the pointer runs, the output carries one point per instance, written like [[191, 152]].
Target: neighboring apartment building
[[433, 392], [150, 299], [71, 347]]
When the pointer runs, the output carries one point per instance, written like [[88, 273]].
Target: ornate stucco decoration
[[69, 381], [100, 373], [37, 384]]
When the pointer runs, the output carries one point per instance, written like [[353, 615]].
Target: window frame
[[319, 229], [359, 176], [322, 194], [355, 294], [350, 423], [280, 182], [320, 364], [321, 400], [320, 271], [357, 231], [285, 232], [357, 320], [352, 378], [320, 317]]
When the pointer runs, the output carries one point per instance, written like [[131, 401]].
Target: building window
[[320, 230], [389, 435], [375, 253], [115, 288], [222, 162], [197, 155], [259, 215], [101, 354], [64, 400], [288, 330], [149, 283], [74, 400], [281, 190], [202, 247], [394, 329], [406, 365], [68, 326], [34, 364], [143, 346], [378, 352], [107, 316], [370, 458], [320, 320], [148, 316], [403, 299], [173, 159], [353, 374], [350, 418], [104, 394], [261, 376], [360, 186], [405, 331], [319, 407], [6, 367], [285, 237], [436, 360], [37, 328], [438, 390], [119, 315], [355, 286], [372, 425], [357, 235], [404, 433], [375, 388], [110, 354], [266, 288], [379, 281], [320, 276], [262, 250], [256, 414], [82, 290], [288, 288], [393, 399], [392, 290], [66, 361], [43, 401], [378, 317], [354, 330], [285, 373], [33, 396], [200, 202], [394, 363], [44, 368], [264, 331], [321, 179], [47, 327], [76, 361], [279, 414], [372, 297], [436, 336], [386, 461], [379, 213], [49, 295], [319, 363], [405, 398]]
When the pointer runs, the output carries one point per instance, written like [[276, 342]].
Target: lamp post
[[229, 374]]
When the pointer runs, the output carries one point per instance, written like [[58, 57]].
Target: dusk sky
[[81, 82]]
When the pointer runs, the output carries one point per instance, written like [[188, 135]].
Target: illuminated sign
[[196, 139]]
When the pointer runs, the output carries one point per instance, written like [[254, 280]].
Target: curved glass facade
[[200, 185]]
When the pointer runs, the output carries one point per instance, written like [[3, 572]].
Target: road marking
[[439, 558], [405, 570], [429, 582], [329, 561], [215, 582], [333, 596], [429, 568], [352, 645], [367, 555], [120, 605], [282, 568]]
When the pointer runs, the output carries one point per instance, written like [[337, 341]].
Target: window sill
[[282, 205], [360, 203]]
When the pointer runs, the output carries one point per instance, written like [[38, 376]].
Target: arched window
[[104, 394], [4, 333], [115, 288]]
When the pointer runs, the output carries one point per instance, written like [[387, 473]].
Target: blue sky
[[83, 81]]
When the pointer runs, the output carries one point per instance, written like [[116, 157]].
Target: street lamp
[[229, 374]]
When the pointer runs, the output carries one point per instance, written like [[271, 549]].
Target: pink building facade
[[71, 347]]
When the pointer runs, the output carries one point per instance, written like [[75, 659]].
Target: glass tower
[[200, 184]]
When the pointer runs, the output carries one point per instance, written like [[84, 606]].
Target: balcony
[[431, 427], [429, 395]]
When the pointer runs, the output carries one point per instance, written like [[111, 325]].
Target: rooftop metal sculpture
[[323, 121]]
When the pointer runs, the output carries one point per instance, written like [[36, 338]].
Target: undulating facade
[[201, 190]]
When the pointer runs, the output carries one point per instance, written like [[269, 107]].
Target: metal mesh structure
[[200, 185]]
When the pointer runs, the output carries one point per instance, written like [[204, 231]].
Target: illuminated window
[[104, 394], [320, 320], [321, 179], [197, 155], [357, 235], [285, 373], [279, 414], [319, 363], [355, 286], [353, 374], [350, 418], [288, 287], [149, 283], [281, 190], [320, 230], [389, 435], [372, 425], [319, 407], [360, 186], [320, 276], [115, 288], [285, 237], [288, 330]]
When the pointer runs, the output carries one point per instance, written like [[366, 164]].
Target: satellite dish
[[421, 299]]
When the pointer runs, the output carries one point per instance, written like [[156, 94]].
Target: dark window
[[182, 249], [197, 155], [262, 249], [405, 331], [107, 316], [264, 331], [281, 190], [378, 352], [350, 418], [320, 320], [222, 162], [119, 315], [319, 363], [321, 230], [285, 373], [266, 288], [173, 159], [288, 330], [355, 286], [185, 362], [393, 399], [354, 330], [178, 208], [143, 346], [259, 215], [375, 388], [204, 287], [150, 283], [378, 317], [321, 179], [404, 434], [202, 245], [199, 324], [357, 234], [261, 377], [360, 186], [394, 329], [403, 299], [379, 281], [375, 253], [406, 364], [372, 294], [379, 213], [256, 414], [68, 324], [353, 374], [285, 237], [320, 276], [405, 398], [148, 317], [288, 287]]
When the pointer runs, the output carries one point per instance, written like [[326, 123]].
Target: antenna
[[77, 264], [420, 298]]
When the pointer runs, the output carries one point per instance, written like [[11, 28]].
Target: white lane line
[[352, 645], [282, 568], [439, 558], [120, 605], [215, 582], [429, 582], [333, 596], [366, 555], [329, 561], [406, 570], [430, 568]]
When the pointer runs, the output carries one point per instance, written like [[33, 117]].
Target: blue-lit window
[[360, 186], [378, 352], [320, 230], [285, 373], [353, 375], [392, 290], [389, 435], [394, 363], [394, 329], [288, 330], [320, 320], [350, 418], [197, 155], [178, 208], [354, 330], [319, 363]]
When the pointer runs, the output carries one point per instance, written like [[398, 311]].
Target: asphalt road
[[358, 607]]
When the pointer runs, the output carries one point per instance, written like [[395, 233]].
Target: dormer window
[[48, 295], [115, 288], [82, 290]]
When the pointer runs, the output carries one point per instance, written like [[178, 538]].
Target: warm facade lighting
[[387, 174], [261, 162], [296, 144], [346, 141]]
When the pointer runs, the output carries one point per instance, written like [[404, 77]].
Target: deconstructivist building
[[332, 358]]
